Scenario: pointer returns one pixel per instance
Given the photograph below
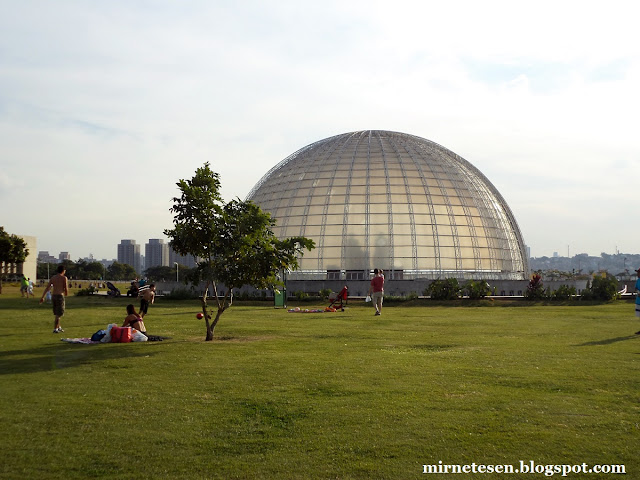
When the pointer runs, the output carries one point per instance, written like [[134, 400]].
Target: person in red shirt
[[376, 289]]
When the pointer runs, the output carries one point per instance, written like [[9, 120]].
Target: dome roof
[[393, 201]]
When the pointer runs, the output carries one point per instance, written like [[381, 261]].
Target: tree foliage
[[603, 287], [234, 241], [85, 270], [121, 271], [476, 289], [160, 273], [80, 270], [13, 249], [564, 292], [535, 290]]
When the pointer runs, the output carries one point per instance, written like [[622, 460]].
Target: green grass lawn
[[317, 396]]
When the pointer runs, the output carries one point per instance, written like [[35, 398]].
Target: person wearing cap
[[638, 297]]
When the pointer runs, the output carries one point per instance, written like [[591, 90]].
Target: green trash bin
[[280, 298]]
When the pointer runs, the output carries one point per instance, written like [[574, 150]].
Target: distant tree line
[[83, 270], [168, 274], [583, 266]]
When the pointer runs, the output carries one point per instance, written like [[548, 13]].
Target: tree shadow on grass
[[607, 341], [67, 355]]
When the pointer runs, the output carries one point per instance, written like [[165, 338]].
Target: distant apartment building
[[156, 253], [129, 253], [44, 257], [188, 261], [64, 256]]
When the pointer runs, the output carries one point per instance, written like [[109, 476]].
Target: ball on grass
[[199, 316]]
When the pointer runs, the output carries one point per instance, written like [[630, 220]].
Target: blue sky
[[105, 105]]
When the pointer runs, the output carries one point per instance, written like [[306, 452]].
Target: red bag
[[120, 334]]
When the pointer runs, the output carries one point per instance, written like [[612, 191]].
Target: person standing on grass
[[148, 297], [24, 286], [638, 297], [376, 290], [59, 286]]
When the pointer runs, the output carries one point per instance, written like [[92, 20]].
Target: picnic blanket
[[86, 341]]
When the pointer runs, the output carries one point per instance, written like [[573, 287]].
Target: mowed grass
[[317, 396]]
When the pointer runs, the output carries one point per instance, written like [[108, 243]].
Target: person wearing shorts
[[148, 297], [24, 286], [376, 290], [59, 287]]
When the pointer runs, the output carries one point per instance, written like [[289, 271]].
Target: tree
[[234, 241], [160, 273], [13, 249], [121, 271], [84, 270], [603, 287], [45, 270]]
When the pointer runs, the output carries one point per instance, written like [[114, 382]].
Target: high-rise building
[[129, 253], [64, 256], [156, 253], [44, 257], [188, 261]]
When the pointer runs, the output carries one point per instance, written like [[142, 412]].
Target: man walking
[[59, 286], [376, 290]]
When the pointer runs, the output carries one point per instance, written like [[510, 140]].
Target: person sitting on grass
[[134, 320]]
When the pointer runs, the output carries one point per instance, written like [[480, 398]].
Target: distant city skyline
[[172, 254], [157, 253]]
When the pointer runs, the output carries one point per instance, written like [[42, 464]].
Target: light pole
[[176, 264]]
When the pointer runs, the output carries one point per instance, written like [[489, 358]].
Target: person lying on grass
[[134, 320]]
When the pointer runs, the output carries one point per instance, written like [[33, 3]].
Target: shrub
[[83, 292], [535, 289], [448, 289], [476, 289], [564, 292], [603, 288], [300, 295], [324, 293]]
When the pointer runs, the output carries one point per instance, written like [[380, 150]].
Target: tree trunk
[[212, 326], [209, 335], [222, 306]]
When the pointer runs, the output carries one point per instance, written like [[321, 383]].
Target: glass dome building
[[393, 201]]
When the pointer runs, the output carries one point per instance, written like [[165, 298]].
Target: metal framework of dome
[[395, 201]]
